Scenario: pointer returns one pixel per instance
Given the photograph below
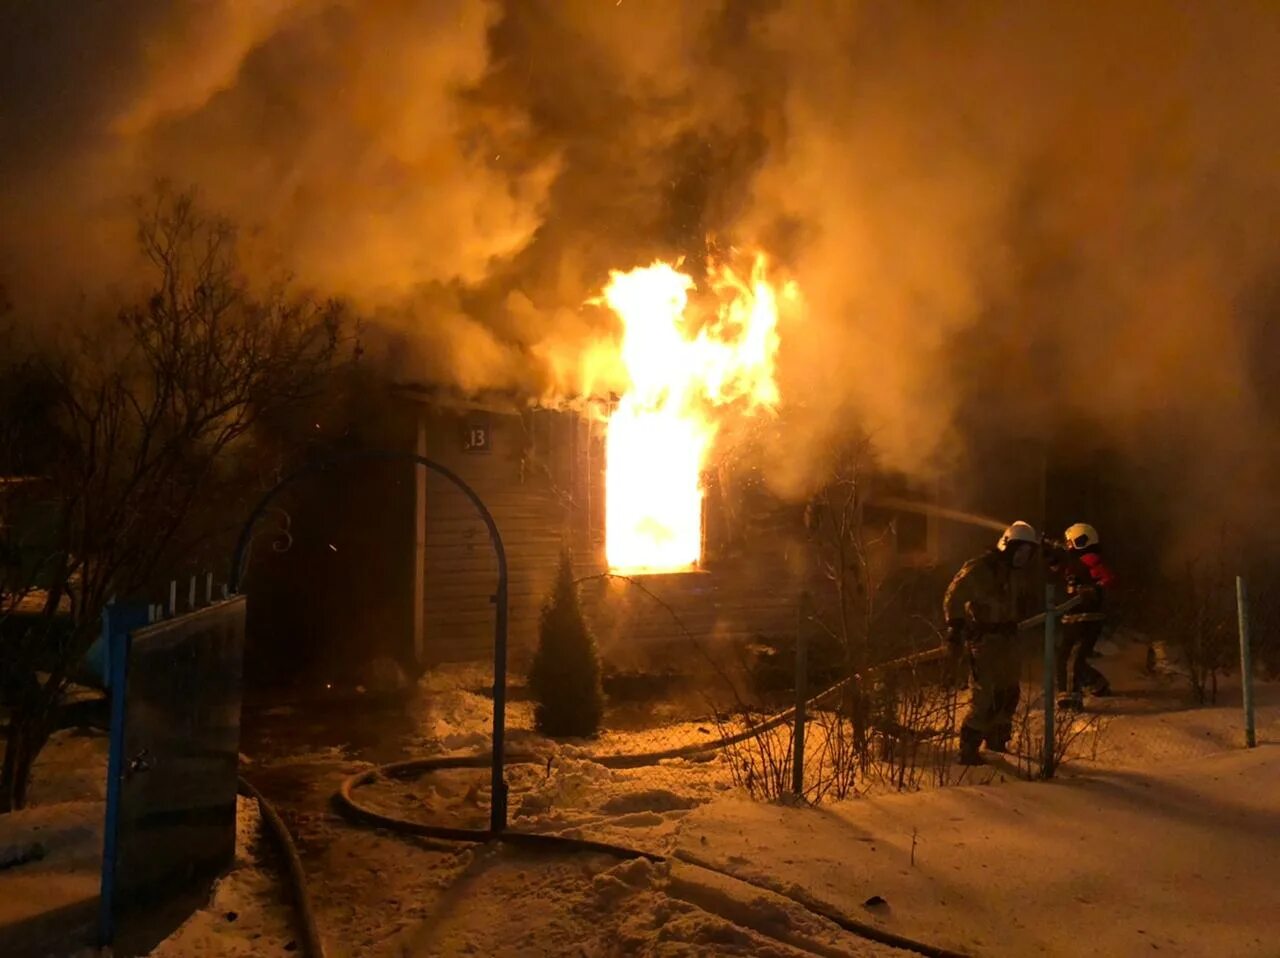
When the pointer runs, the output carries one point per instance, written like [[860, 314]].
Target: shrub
[[565, 677]]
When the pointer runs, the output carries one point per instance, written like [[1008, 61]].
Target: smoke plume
[[1047, 219], [1043, 220]]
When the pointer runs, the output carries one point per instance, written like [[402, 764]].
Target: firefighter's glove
[[955, 635], [1055, 553]]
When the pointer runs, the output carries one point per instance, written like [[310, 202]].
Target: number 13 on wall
[[476, 438]]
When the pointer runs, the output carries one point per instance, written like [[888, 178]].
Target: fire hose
[[363, 814], [639, 760], [312, 942], [348, 804], [360, 812]]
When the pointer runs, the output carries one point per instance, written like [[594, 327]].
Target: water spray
[[928, 509]]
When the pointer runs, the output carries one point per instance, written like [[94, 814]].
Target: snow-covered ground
[[1161, 834], [51, 851], [50, 859], [71, 767], [1179, 859], [247, 914], [1167, 842], [511, 903], [50, 867]]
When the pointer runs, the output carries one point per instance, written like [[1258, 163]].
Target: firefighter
[[983, 605], [1078, 560]]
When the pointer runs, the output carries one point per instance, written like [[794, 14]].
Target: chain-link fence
[[692, 711], [708, 716], [1171, 665], [819, 675]]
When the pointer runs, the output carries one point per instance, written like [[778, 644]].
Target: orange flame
[[681, 381]]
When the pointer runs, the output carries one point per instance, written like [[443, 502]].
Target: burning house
[[545, 474], [626, 484], [659, 492]]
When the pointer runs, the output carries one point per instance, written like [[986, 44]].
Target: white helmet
[[1018, 532], [1081, 536]]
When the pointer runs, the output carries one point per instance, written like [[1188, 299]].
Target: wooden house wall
[[531, 474], [542, 476]]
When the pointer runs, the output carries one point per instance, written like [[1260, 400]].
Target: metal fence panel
[[175, 819]]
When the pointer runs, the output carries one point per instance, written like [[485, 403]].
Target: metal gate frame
[[498, 805], [133, 636]]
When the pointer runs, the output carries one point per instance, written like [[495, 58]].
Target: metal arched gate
[[498, 808]]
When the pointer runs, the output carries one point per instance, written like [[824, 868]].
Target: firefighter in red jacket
[[1079, 561]]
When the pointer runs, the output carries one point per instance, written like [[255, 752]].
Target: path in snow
[[511, 904]]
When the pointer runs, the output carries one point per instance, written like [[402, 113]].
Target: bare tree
[[1076, 736], [1201, 616], [848, 578], [138, 418]]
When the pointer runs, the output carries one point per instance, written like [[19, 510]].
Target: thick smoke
[[1043, 220], [1048, 219], [338, 136]]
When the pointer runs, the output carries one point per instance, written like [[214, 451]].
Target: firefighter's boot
[[970, 743], [998, 740]]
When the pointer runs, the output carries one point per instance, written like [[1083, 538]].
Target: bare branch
[[146, 408]]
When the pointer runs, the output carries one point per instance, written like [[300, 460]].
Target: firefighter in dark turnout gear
[[983, 605], [1079, 562]]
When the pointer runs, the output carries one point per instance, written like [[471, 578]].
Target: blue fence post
[[118, 623]]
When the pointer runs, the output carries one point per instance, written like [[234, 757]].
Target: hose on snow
[[312, 942], [355, 810]]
